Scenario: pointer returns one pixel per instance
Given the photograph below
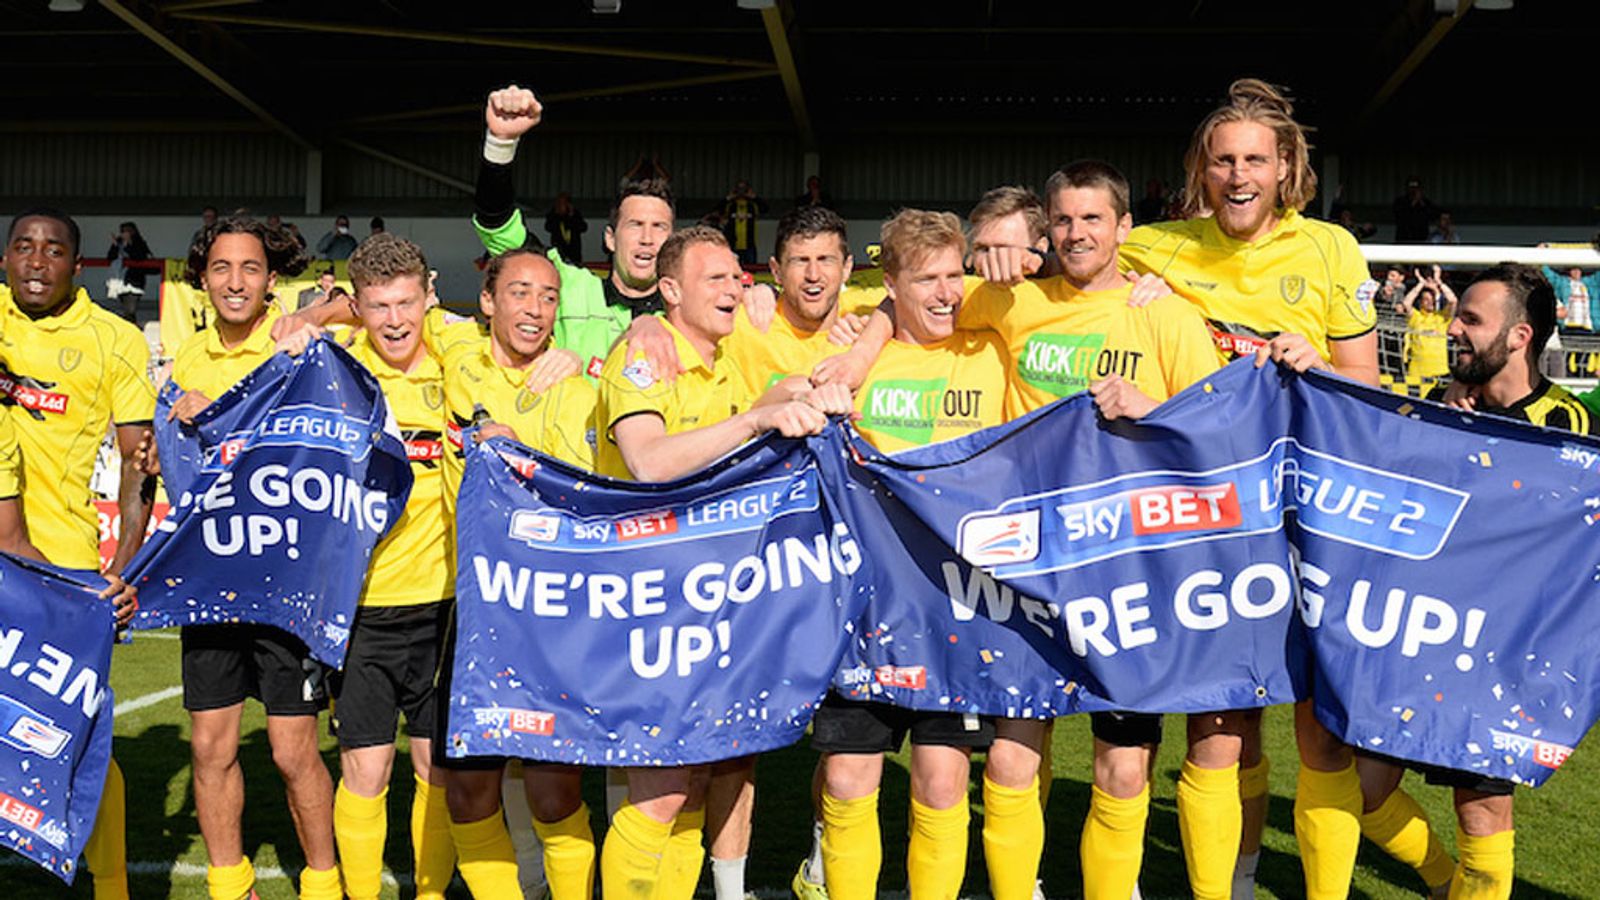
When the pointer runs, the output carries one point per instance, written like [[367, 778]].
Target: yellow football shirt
[[921, 394], [764, 359], [703, 395], [1303, 277], [1059, 340], [204, 365], [1427, 346], [68, 378], [10, 458], [413, 564], [555, 423]]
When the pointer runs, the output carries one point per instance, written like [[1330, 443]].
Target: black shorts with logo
[[389, 670], [862, 726], [1126, 729], [225, 664], [1450, 778]]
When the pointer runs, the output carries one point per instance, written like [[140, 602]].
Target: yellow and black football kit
[[1548, 405], [765, 358], [396, 640], [67, 378], [913, 395], [702, 395], [1304, 277], [205, 365], [1060, 339]]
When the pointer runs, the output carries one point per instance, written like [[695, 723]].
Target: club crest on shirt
[[1292, 287], [433, 395], [526, 401], [640, 373], [69, 358]]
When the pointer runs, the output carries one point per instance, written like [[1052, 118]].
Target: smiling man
[[69, 371], [404, 609]]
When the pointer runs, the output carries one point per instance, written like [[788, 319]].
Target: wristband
[[499, 151]]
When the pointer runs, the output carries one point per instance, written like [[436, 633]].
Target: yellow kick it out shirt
[[921, 394], [1060, 340], [1304, 277], [413, 564], [66, 379], [703, 395], [764, 359]]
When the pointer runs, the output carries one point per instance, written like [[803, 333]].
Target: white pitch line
[[138, 703]]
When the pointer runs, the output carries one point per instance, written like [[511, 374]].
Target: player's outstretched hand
[[646, 336], [147, 456], [124, 599], [793, 419], [1147, 289], [1119, 399], [761, 305], [1291, 351], [191, 404], [1006, 265], [551, 368], [846, 329], [493, 429]]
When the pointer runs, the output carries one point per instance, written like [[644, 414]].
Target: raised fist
[[511, 111]]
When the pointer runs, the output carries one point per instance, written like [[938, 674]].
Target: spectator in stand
[[1393, 290], [739, 212], [814, 195], [1444, 231], [125, 286], [207, 216], [376, 226], [1152, 207], [565, 225], [1428, 307], [1361, 230], [338, 243], [1577, 297], [275, 221], [318, 293], [1413, 214]]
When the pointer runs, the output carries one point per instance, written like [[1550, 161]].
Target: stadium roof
[[823, 72]]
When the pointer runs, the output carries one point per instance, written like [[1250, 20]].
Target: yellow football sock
[[1112, 847], [1013, 839], [231, 882], [1486, 868], [1210, 820], [106, 851], [630, 861], [852, 847], [1401, 829], [569, 855], [360, 825], [1253, 779], [433, 851], [936, 859], [321, 884], [685, 857], [1327, 826], [488, 862], [1047, 769]]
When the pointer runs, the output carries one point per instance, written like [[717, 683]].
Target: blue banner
[[610, 623], [55, 710], [1425, 575], [280, 489]]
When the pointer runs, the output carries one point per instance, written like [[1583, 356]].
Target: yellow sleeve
[[1351, 310], [184, 364], [985, 307], [629, 387], [444, 331], [10, 458], [133, 396], [1183, 343], [570, 435]]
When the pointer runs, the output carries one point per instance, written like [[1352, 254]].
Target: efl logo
[[913, 678], [531, 721], [1162, 510], [19, 813], [997, 540], [27, 730], [534, 527], [648, 525], [1545, 753]]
